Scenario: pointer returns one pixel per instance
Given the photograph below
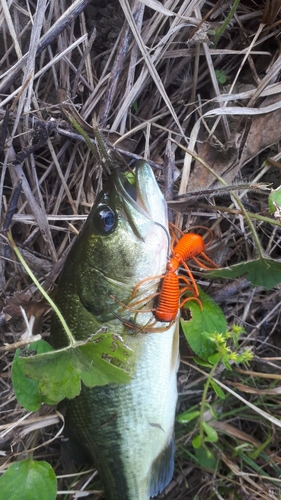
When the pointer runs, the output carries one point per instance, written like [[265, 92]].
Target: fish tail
[[162, 469]]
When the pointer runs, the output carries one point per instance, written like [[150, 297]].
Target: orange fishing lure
[[189, 246], [170, 294]]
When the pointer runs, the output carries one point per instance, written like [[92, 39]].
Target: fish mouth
[[145, 195]]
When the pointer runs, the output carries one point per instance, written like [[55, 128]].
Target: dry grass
[[146, 75]]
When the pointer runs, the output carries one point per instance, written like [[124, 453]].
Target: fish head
[[124, 240]]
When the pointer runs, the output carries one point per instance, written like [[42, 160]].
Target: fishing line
[[167, 234]]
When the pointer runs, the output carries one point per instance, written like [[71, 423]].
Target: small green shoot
[[219, 31], [136, 107], [220, 76], [130, 176]]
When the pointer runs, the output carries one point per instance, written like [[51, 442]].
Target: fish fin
[[162, 469]]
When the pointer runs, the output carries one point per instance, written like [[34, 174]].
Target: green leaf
[[220, 76], [107, 346], [40, 347], [274, 200], [104, 359], [204, 323], [256, 453], [214, 358], [219, 392], [226, 363], [27, 390], [212, 435], [51, 376], [197, 442], [130, 177], [212, 410], [136, 107], [187, 416], [91, 375], [28, 480], [260, 272], [200, 362], [206, 459], [57, 373], [96, 370]]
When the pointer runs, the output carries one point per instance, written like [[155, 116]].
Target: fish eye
[[105, 219]]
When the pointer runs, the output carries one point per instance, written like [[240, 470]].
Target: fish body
[[126, 428]]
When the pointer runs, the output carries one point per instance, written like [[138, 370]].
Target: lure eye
[[105, 219]]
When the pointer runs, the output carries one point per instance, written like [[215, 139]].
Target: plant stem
[[43, 292], [221, 30], [204, 398]]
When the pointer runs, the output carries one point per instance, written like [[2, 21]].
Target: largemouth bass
[[127, 428]]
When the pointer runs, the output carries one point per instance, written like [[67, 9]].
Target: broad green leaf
[[206, 459], [97, 370], [203, 323], [218, 390], [91, 374], [187, 416], [28, 480], [107, 346], [57, 372], [40, 347], [27, 390], [260, 272], [212, 435], [50, 376], [104, 359]]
